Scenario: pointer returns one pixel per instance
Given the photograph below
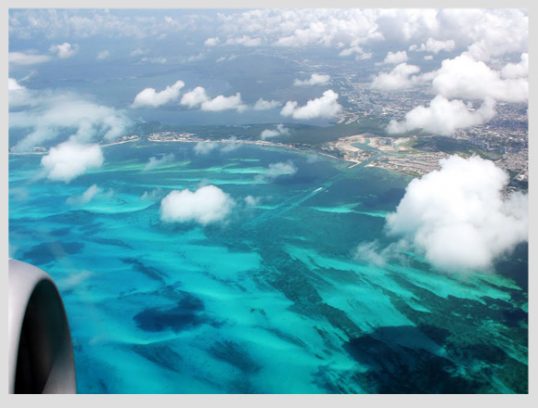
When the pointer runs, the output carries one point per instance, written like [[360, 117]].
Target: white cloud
[[326, 106], [155, 161], [280, 130], [494, 33], [229, 145], [371, 253], [152, 195], [152, 98], [103, 23], [137, 52], [244, 40], [252, 201], [280, 169], [434, 46], [22, 58], [465, 77], [211, 42], [207, 205], [486, 33], [64, 50], [103, 55], [13, 85], [71, 159], [49, 114], [315, 79], [202, 148], [194, 98], [460, 217], [443, 116], [262, 104], [356, 50], [519, 70], [222, 103], [199, 98], [86, 196], [395, 57], [402, 76], [224, 58]]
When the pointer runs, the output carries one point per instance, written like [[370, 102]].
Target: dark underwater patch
[[49, 251], [395, 369], [160, 354], [140, 266], [234, 354], [186, 314], [114, 242], [60, 232], [293, 281]]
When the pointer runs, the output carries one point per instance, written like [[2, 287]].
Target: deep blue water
[[272, 300]]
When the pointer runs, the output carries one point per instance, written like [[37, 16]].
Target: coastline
[[391, 154]]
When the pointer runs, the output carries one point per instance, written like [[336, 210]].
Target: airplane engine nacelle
[[40, 353]]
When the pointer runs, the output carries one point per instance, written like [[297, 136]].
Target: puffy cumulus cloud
[[320, 27], [64, 50], [326, 106], [211, 42], [252, 201], [402, 76], [199, 98], [222, 103], [261, 104], [280, 130], [460, 217], [152, 195], [86, 196], [494, 33], [395, 57], [194, 98], [443, 116], [465, 77], [245, 41], [27, 58], [202, 148], [399, 25], [280, 169], [370, 252], [434, 46], [71, 159], [518, 70], [486, 33], [207, 205], [149, 97], [155, 161], [103, 55], [49, 114], [83, 24], [13, 85], [357, 51], [315, 79]]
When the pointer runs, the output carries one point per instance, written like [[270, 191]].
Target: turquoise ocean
[[273, 300]]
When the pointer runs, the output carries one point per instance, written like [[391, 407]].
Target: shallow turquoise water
[[272, 300]]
